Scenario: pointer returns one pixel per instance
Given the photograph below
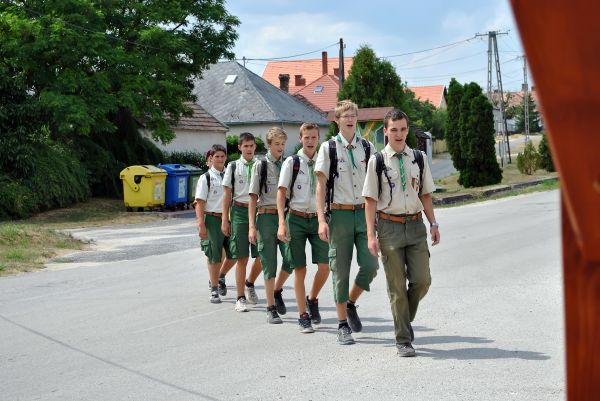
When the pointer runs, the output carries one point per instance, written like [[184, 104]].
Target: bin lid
[[192, 169], [145, 170], [174, 169]]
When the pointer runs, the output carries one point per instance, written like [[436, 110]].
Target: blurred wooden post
[[562, 44]]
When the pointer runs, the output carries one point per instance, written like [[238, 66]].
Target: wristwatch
[[434, 224]]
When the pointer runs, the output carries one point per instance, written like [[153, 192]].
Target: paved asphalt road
[[132, 321]]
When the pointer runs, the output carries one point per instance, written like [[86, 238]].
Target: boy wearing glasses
[[340, 181]]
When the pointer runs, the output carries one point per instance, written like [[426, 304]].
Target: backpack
[[233, 164], [380, 168], [333, 164], [263, 174], [295, 170], [207, 175]]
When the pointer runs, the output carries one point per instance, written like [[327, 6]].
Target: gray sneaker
[[353, 319], [406, 350], [251, 295], [273, 317], [305, 325], [241, 306], [313, 310], [281, 309], [345, 336], [214, 297], [222, 287]]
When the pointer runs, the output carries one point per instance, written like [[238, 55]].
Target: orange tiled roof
[[432, 94], [322, 93], [311, 70]]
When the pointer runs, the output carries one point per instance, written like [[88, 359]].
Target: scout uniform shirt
[[303, 195], [243, 172], [268, 198], [214, 199], [351, 169], [402, 202]]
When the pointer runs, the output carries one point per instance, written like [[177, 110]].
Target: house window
[[318, 89], [230, 79]]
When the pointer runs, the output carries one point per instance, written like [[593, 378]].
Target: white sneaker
[[241, 306], [251, 295]]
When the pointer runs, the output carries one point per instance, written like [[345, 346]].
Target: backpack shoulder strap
[[333, 165], [379, 169], [263, 176], [421, 163], [295, 170], [207, 175], [233, 164], [367, 147]]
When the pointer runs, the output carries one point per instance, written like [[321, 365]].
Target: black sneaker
[[222, 287], [304, 323], [279, 304], [344, 336], [313, 310], [272, 316], [412, 333], [406, 350], [353, 319], [214, 297]]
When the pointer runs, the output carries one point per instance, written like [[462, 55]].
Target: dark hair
[[395, 115], [217, 148], [246, 136]]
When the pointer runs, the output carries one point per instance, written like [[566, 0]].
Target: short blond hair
[[308, 126], [275, 132], [345, 105]]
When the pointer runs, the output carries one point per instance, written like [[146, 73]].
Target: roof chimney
[[299, 80], [324, 62], [284, 82]]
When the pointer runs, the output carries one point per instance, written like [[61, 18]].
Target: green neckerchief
[[248, 166], [311, 172], [272, 160], [349, 147], [402, 172]]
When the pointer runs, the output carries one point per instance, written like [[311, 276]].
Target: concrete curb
[[448, 200]]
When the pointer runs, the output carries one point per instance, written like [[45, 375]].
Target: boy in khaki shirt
[[399, 201], [262, 215], [346, 226], [303, 225]]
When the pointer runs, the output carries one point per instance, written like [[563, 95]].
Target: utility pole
[[503, 131], [341, 63], [526, 98]]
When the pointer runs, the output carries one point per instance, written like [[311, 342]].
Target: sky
[[280, 28]]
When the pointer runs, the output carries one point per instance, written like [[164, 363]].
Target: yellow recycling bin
[[143, 186]]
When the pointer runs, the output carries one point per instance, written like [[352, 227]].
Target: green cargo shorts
[[238, 242], [267, 225], [300, 230], [347, 229], [215, 243]]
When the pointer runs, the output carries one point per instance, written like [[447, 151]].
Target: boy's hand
[[373, 244], [282, 233], [226, 228], [252, 235], [202, 231], [435, 235], [324, 231]]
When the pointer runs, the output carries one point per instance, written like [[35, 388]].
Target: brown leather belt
[[240, 204], [399, 218], [216, 214], [266, 210], [339, 206], [303, 214]]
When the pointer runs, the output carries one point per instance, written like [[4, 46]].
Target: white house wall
[[190, 141]]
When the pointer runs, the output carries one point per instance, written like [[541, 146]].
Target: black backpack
[[380, 168], [295, 170], [233, 164], [207, 175], [263, 174], [333, 164]]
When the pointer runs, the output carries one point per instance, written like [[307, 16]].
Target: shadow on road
[[480, 353]]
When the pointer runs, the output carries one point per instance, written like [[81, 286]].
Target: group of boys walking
[[345, 196]]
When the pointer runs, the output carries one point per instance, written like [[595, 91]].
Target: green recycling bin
[[195, 173]]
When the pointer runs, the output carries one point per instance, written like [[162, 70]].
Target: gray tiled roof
[[250, 99], [200, 120]]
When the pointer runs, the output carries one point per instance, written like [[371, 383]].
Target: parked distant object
[[143, 187], [176, 189]]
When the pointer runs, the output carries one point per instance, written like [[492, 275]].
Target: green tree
[[90, 63], [534, 116], [528, 161], [481, 166], [438, 123], [455, 94], [545, 155]]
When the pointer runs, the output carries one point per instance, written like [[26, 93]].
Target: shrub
[[546, 162], [16, 200], [232, 145], [528, 161], [195, 158]]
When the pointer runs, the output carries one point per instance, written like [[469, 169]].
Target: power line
[[287, 57], [430, 49], [441, 62]]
